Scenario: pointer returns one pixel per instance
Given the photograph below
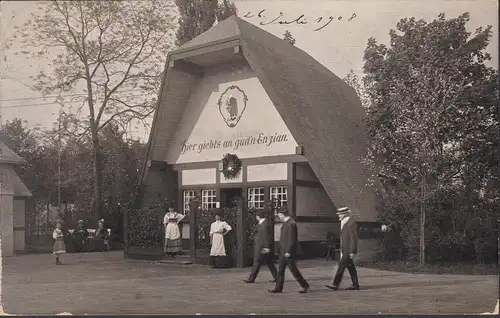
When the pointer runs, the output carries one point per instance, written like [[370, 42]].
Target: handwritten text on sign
[[258, 139]]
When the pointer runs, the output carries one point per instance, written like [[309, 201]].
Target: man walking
[[348, 249], [288, 254], [262, 249]]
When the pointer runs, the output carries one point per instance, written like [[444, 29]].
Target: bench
[[91, 233]]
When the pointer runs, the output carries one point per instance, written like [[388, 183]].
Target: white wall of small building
[[19, 224], [7, 223]]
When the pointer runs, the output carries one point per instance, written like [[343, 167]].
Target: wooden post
[[241, 238], [126, 224], [192, 234]]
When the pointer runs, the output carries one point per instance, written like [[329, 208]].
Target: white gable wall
[[205, 136]]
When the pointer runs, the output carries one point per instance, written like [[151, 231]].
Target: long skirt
[[59, 246], [218, 248], [173, 246]]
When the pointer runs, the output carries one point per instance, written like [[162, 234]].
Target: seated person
[[81, 235], [99, 240], [101, 232]]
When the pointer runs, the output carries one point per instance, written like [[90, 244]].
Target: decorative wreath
[[231, 166]]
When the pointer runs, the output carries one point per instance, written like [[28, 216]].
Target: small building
[[296, 128], [13, 196]]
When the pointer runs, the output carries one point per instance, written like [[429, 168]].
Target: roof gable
[[222, 31], [9, 156]]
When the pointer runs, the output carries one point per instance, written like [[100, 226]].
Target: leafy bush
[[146, 227], [455, 230]]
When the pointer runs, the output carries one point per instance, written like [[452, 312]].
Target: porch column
[[192, 234], [241, 237]]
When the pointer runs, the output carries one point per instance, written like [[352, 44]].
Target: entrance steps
[[184, 259]]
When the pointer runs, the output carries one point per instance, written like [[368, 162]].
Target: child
[[59, 246]]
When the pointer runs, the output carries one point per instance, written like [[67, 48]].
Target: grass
[[444, 268]]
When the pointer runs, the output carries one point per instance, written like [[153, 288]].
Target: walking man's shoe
[[353, 287], [332, 287], [304, 290], [248, 281], [274, 291]]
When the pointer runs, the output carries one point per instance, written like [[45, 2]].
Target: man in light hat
[[348, 250]]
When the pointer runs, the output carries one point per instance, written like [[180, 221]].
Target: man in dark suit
[[348, 250], [262, 249], [289, 246]]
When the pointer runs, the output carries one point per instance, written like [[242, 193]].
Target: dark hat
[[343, 211]]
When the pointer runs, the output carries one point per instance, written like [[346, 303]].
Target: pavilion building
[[296, 127]]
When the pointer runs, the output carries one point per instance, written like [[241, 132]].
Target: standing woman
[[59, 246], [173, 238], [218, 230]]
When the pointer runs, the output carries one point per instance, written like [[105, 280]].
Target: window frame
[[279, 194], [209, 204], [185, 204], [261, 197]]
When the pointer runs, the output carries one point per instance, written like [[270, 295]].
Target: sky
[[339, 45]]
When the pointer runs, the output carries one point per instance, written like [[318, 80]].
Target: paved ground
[[104, 283]]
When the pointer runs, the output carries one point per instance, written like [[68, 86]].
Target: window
[[208, 199], [279, 194], [188, 195], [256, 198]]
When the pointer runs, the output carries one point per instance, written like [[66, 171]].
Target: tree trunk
[[97, 176], [422, 221]]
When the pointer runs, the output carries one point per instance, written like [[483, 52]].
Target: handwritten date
[[321, 22]]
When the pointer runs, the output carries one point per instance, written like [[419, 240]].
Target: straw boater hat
[[80, 221], [343, 211]]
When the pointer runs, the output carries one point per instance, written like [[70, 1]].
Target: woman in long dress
[[173, 238], [218, 230], [59, 246]]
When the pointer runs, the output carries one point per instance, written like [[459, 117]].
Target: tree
[[120, 164], [112, 51], [197, 16], [354, 81], [38, 174], [423, 89], [287, 36]]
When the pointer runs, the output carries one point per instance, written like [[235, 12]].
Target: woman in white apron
[[217, 231], [173, 238]]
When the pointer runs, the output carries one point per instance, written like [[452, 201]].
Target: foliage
[[122, 160], [107, 49], [146, 224], [251, 229], [197, 16], [433, 123], [354, 81], [145, 228], [39, 172], [231, 166], [287, 36]]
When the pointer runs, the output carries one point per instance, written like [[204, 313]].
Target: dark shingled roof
[[322, 112]]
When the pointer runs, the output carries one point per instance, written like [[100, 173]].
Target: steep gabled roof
[[9, 156], [322, 112], [227, 29]]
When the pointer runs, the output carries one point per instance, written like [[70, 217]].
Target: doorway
[[228, 196]]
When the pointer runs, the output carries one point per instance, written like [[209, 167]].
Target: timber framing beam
[[187, 67]]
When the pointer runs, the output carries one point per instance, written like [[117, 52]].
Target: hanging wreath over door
[[230, 166]]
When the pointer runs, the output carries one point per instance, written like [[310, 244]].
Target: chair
[[330, 245], [106, 240]]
